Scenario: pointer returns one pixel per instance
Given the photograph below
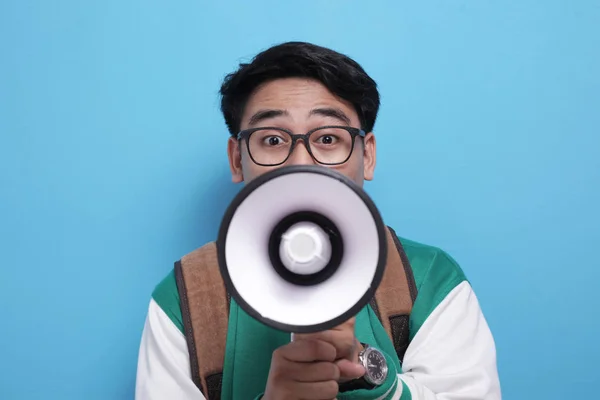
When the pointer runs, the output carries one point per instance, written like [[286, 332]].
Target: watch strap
[[355, 384]]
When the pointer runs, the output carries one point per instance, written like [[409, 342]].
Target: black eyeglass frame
[[354, 132]]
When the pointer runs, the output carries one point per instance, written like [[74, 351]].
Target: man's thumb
[[350, 370]]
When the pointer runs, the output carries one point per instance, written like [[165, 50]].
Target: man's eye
[[327, 139], [272, 140]]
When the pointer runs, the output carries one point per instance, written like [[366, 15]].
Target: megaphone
[[302, 248]]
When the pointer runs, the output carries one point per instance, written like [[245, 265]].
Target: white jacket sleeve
[[163, 365], [453, 355]]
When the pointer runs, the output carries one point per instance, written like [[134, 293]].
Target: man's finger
[[308, 351], [319, 371], [345, 343], [329, 336], [316, 390], [350, 370]]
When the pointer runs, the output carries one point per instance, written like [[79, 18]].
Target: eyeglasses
[[328, 145]]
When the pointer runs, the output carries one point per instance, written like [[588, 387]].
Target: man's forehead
[[284, 97], [289, 88], [331, 112]]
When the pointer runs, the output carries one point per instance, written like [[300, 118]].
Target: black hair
[[340, 74]]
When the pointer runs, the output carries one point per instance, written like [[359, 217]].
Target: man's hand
[[313, 364], [303, 369], [347, 348]]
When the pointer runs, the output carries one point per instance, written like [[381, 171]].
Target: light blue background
[[113, 165]]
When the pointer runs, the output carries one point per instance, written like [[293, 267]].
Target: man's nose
[[300, 155]]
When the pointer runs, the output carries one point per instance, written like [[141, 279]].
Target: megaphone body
[[302, 248]]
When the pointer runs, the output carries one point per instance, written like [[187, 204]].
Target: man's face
[[300, 105]]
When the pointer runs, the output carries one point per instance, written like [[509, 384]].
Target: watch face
[[376, 366]]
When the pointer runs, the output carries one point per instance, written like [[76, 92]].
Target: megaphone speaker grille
[[302, 248], [314, 232]]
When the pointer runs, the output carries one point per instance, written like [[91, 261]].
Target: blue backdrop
[[113, 165]]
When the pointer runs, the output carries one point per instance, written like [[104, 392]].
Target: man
[[296, 88]]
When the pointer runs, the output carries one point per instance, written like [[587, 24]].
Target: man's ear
[[369, 156], [235, 160]]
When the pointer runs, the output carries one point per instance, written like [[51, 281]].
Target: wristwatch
[[376, 370]]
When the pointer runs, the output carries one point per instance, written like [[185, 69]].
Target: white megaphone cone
[[302, 248]]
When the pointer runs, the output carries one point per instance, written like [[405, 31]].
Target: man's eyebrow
[[265, 114], [331, 112]]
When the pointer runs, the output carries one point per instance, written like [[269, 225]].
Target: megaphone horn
[[302, 248]]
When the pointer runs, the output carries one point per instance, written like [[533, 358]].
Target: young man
[[297, 88]]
